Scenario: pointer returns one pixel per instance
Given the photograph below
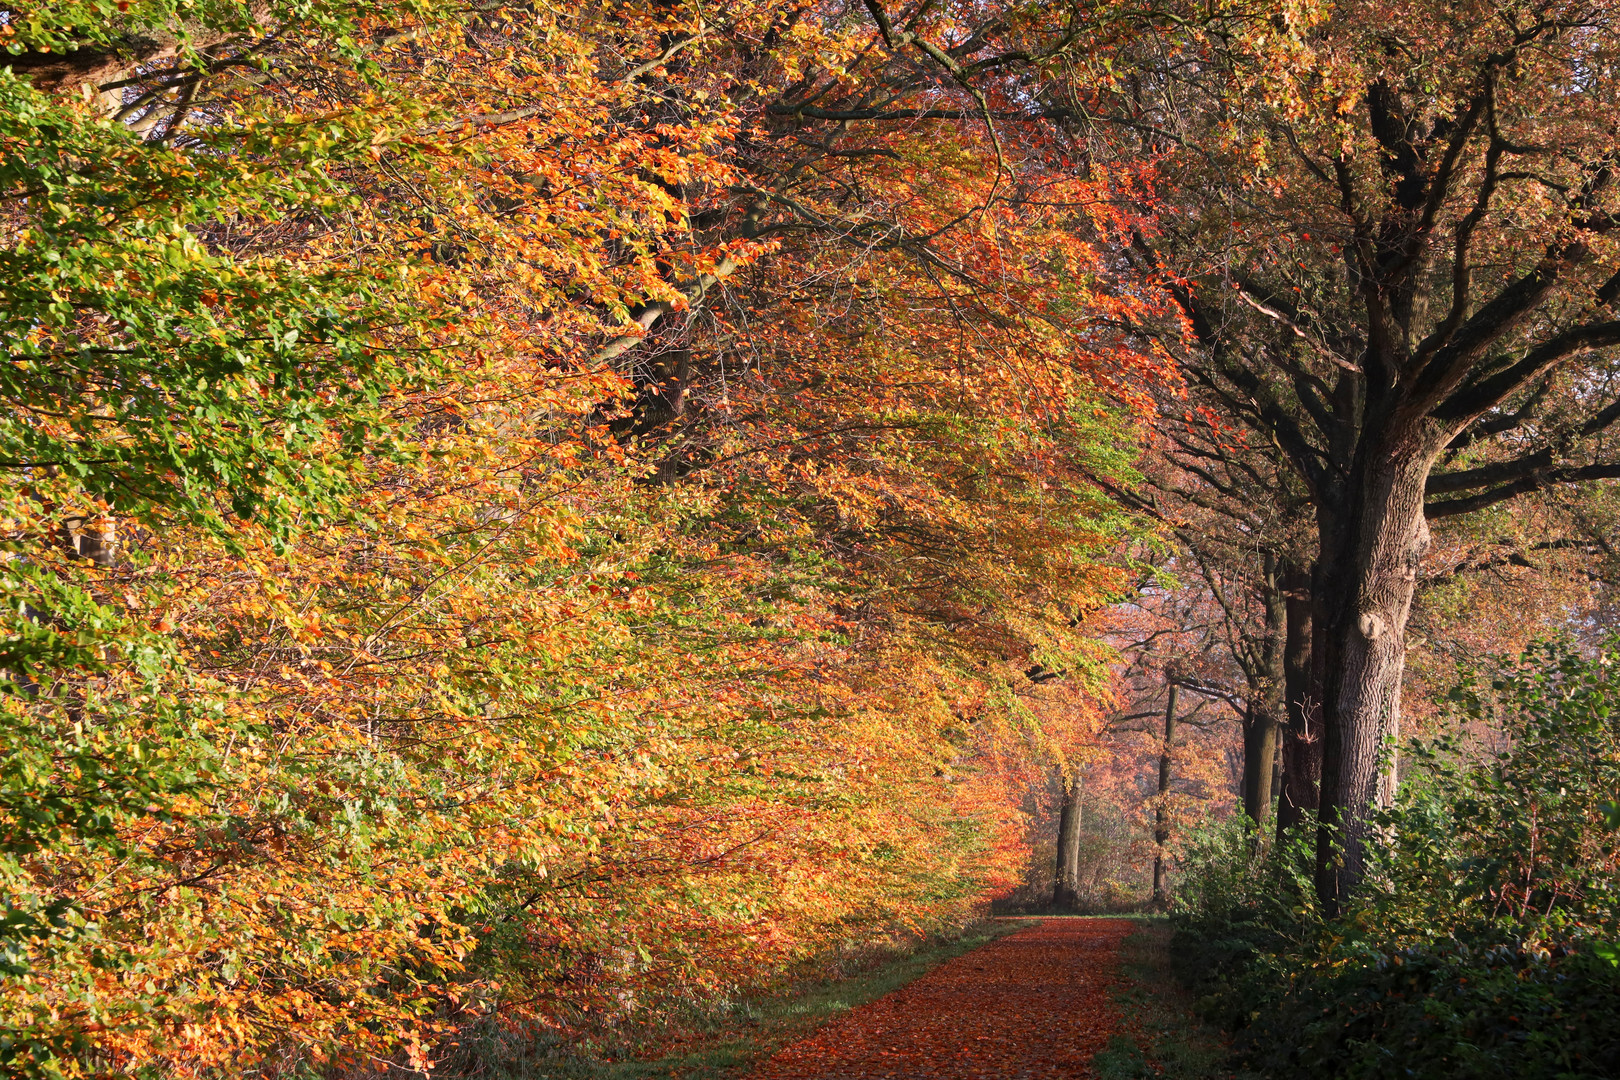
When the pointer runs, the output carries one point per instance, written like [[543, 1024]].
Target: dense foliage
[[517, 521], [508, 529], [1488, 941]]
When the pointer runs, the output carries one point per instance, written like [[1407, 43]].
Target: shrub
[[1486, 941]]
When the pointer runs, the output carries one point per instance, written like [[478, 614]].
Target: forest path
[[1034, 1005]]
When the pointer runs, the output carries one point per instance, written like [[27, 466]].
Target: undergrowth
[[1484, 940], [1161, 1036]]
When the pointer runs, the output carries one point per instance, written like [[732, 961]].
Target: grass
[[1162, 1038], [725, 1042]]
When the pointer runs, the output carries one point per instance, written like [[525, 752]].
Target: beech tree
[[581, 518], [1390, 230]]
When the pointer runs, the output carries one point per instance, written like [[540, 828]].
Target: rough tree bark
[[1368, 593]]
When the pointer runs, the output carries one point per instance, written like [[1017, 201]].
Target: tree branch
[[1473, 398], [1534, 481]]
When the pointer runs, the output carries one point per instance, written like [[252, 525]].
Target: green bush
[[1486, 940]]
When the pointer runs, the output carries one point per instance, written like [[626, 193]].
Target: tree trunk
[[1301, 743], [1368, 596], [1066, 889], [93, 538], [1259, 760], [1161, 817], [1276, 768], [1266, 703]]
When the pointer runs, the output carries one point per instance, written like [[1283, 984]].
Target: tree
[[583, 530], [1390, 230], [1242, 524], [1161, 813], [1170, 764]]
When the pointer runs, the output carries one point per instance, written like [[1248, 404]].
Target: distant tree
[[1242, 528]]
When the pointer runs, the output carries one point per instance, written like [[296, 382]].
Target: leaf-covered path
[[1034, 1005]]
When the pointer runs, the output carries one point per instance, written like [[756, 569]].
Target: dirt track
[[1034, 1005]]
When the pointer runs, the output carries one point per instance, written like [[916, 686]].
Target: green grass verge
[[1162, 1038]]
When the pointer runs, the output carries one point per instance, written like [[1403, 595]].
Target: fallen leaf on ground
[[1035, 1005]]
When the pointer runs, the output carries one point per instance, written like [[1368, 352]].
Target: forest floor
[[1027, 999], [1036, 1005]]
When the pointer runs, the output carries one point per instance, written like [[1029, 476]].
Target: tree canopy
[[517, 520]]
